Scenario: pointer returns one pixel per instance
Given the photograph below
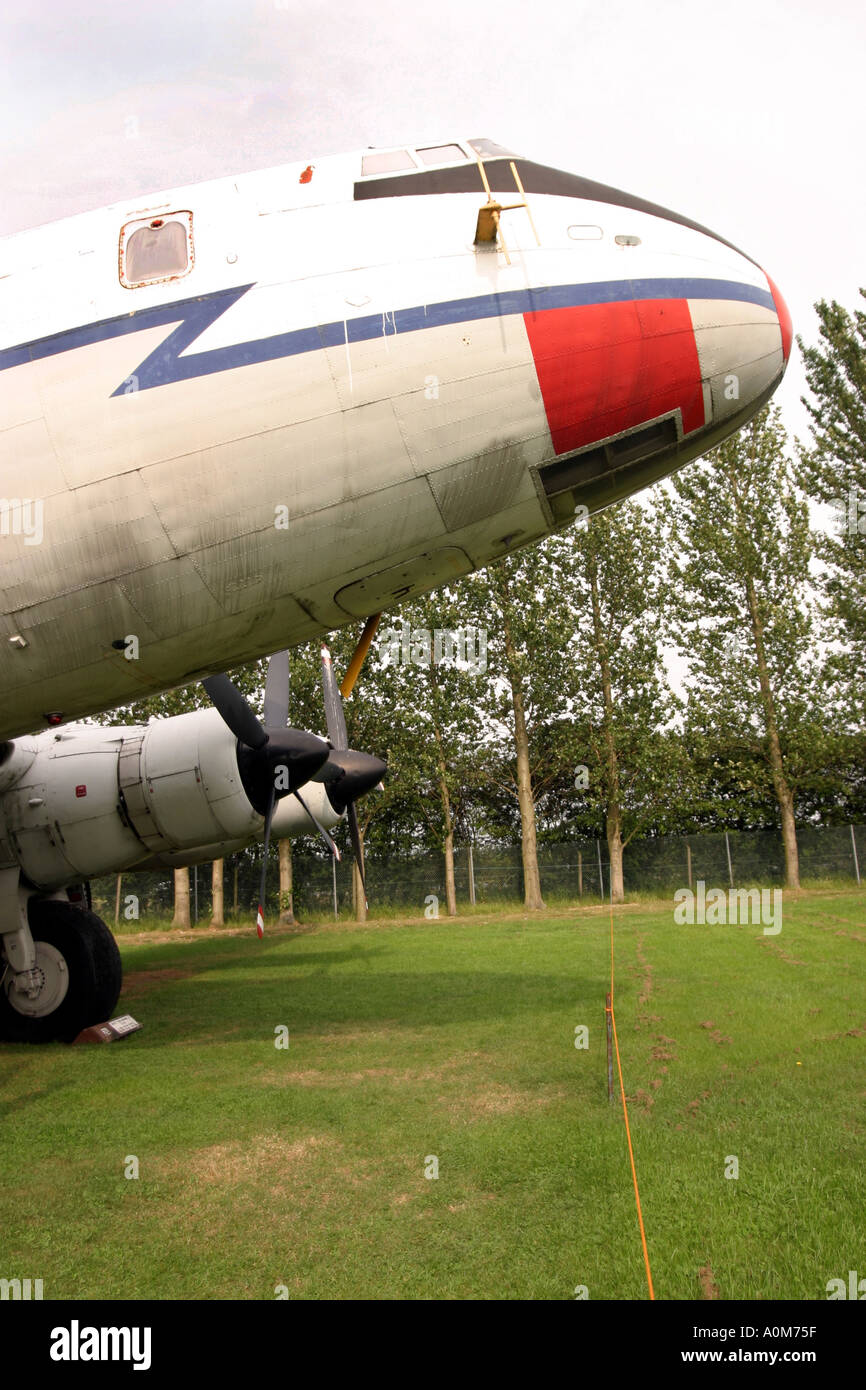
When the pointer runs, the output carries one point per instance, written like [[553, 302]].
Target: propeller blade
[[334, 716], [355, 834], [321, 829], [276, 711], [236, 713], [260, 917]]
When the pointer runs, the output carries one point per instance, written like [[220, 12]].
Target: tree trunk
[[287, 909], [532, 898], [614, 850], [359, 901], [781, 786], [613, 812], [217, 917], [448, 826], [181, 898]]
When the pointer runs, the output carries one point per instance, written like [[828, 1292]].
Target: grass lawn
[[412, 1040]]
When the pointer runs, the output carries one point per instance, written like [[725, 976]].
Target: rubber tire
[[95, 974]]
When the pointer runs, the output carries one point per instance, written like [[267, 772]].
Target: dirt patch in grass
[[497, 1099], [709, 1288], [400, 1076], [245, 1160], [716, 1034], [777, 951]]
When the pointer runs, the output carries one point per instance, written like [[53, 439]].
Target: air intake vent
[[604, 469], [605, 458]]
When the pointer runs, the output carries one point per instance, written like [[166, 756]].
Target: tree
[[739, 551], [522, 692], [432, 664], [614, 732], [287, 910], [217, 900], [833, 472], [181, 898]]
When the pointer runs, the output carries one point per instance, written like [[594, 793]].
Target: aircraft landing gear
[[74, 981]]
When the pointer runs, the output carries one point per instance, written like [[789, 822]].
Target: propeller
[[358, 772], [273, 759]]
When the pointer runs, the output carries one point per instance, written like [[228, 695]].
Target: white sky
[[745, 115]]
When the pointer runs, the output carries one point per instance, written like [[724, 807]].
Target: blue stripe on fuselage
[[165, 364]]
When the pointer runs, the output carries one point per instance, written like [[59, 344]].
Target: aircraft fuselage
[[341, 399]]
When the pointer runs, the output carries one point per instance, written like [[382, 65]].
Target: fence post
[[728, 851], [579, 874], [854, 852], [334, 876], [117, 899], [471, 878], [607, 1009], [600, 871], [689, 862], [195, 881]]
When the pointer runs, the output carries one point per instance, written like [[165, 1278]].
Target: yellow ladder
[[488, 229]]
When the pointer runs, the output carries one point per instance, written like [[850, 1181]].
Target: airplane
[[242, 414]]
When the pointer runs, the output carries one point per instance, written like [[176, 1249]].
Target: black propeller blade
[[260, 915], [276, 711], [335, 719], [357, 848], [321, 829], [235, 711], [359, 772]]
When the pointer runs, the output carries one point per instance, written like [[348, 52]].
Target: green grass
[[305, 1167]]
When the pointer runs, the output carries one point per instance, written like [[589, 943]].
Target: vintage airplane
[[239, 415]]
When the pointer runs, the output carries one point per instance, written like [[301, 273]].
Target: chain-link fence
[[574, 870]]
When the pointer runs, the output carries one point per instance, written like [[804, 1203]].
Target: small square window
[[441, 154], [387, 162], [155, 249]]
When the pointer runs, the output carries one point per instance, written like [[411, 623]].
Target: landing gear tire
[[79, 976]]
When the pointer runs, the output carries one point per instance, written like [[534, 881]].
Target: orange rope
[[646, 1260]]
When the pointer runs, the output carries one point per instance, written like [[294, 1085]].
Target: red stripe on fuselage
[[605, 368]]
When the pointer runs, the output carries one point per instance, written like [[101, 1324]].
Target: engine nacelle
[[91, 800]]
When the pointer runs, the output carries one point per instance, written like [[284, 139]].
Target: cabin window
[[387, 162], [441, 154], [156, 249]]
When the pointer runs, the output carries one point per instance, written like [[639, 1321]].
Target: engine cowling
[[90, 800]]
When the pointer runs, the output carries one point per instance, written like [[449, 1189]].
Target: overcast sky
[[745, 115]]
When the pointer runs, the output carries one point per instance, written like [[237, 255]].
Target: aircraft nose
[[784, 316]]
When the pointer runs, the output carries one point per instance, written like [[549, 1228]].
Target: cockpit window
[[484, 148], [387, 162], [155, 250], [441, 154]]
